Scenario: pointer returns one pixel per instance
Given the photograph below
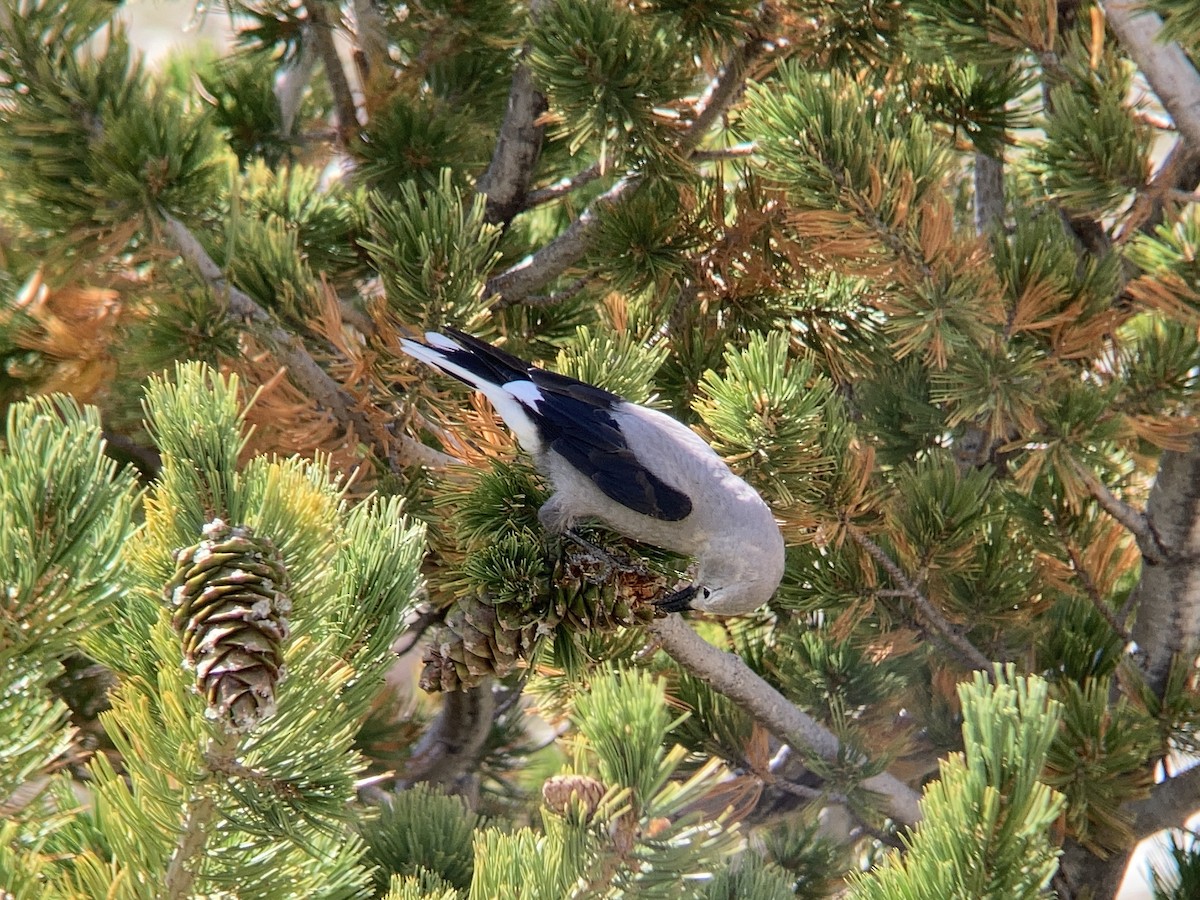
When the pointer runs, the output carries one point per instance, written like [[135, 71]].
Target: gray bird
[[637, 470]]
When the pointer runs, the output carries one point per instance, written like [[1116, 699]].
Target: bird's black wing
[[575, 420], [482, 359]]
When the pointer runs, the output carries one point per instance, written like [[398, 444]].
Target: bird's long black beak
[[678, 601]]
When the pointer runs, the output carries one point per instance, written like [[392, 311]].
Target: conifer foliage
[[277, 616]]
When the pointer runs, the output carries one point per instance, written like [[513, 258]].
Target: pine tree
[[926, 275]]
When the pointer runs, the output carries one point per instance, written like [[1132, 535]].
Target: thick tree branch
[[1166, 67], [506, 182], [339, 84], [551, 299], [540, 268], [1171, 803], [989, 193], [968, 651], [727, 673], [450, 750], [303, 369], [1167, 597]]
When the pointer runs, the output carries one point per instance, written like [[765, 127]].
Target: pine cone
[[230, 594], [478, 639], [558, 792], [591, 595], [483, 637]]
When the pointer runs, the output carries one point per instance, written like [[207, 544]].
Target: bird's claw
[[679, 601]]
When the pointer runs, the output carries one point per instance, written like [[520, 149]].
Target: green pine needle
[[425, 834], [433, 250], [605, 71], [775, 419]]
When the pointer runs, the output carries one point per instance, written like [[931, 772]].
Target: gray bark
[[1167, 598]]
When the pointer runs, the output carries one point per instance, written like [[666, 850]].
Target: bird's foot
[[679, 601]]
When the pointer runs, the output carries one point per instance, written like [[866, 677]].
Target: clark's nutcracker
[[640, 472]]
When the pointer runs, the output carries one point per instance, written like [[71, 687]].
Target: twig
[[1166, 67], [723, 89], [737, 151], [1183, 196], [542, 267], [729, 674], [343, 96], [1092, 592], [552, 299], [563, 186], [303, 369], [969, 652], [1132, 519], [415, 630], [1146, 210]]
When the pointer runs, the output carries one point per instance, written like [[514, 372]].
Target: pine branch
[[1167, 605], [450, 749], [180, 876], [1172, 802], [1165, 66], [563, 186], [303, 369], [540, 268], [729, 674], [1132, 519], [968, 651], [339, 84], [506, 182]]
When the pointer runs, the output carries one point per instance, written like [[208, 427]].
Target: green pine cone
[[478, 639], [230, 594], [482, 636], [589, 598]]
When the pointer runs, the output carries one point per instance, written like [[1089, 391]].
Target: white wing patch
[[507, 399], [525, 391]]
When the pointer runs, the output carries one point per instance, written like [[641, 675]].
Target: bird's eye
[[705, 593]]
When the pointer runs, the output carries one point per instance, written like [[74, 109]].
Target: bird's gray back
[[730, 509]]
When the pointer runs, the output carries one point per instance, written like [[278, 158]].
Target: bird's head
[[731, 584], [732, 599]]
